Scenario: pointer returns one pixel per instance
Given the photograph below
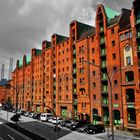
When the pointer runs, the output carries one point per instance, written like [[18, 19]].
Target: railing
[[103, 52], [103, 64], [74, 92], [102, 41], [101, 29]]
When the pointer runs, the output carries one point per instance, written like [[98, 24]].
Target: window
[[66, 88], [82, 49], [130, 34], [67, 50], [67, 59], [63, 52], [115, 82], [93, 72], [67, 68], [67, 79], [122, 37], [94, 85], [129, 76], [128, 61], [94, 97], [112, 31], [63, 69], [59, 97], [116, 96], [114, 68], [59, 53], [92, 50], [113, 56], [67, 97], [83, 105], [113, 43], [126, 35], [93, 61], [60, 88], [60, 80]]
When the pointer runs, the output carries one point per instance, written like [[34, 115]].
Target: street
[[46, 130], [6, 133]]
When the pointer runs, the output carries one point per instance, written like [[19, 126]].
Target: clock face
[[127, 48]]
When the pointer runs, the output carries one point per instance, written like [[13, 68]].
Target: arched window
[[128, 57]]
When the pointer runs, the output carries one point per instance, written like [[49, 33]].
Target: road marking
[[18, 133], [1, 138], [11, 137]]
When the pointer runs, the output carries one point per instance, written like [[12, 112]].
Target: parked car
[[36, 116], [31, 114], [50, 119], [84, 127], [26, 114], [78, 124], [68, 123], [15, 118], [45, 116], [57, 120], [95, 129]]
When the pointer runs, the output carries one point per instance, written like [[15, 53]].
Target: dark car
[[96, 129], [78, 124], [15, 118], [84, 128], [36, 116], [66, 123]]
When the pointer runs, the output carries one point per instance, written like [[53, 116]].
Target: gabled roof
[[110, 13], [20, 63], [124, 21], [28, 59], [82, 28], [38, 51], [88, 33]]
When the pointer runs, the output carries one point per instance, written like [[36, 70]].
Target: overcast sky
[[24, 24]]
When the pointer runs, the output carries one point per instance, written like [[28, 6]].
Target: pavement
[[47, 130]]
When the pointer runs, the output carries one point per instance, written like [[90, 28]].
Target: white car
[[57, 121], [50, 119], [44, 116]]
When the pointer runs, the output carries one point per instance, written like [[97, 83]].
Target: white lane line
[[18, 133], [12, 138], [1, 138]]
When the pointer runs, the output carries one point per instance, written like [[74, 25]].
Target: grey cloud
[[19, 31]]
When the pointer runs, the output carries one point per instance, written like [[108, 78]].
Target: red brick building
[[56, 76]]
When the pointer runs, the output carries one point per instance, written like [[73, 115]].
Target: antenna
[[2, 71], [10, 67]]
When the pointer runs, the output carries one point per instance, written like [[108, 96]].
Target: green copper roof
[[20, 63], [110, 13], [38, 52], [28, 59]]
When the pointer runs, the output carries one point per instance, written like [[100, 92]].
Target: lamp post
[[56, 126], [110, 78]]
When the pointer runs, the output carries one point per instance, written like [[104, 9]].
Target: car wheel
[[103, 131]]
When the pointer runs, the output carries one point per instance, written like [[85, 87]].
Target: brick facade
[[56, 75]]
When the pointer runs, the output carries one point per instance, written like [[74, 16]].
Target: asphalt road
[[47, 131], [7, 133]]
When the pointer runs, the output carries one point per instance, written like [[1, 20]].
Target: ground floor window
[[117, 117], [131, 115]]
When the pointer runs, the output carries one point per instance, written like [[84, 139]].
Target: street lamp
[[110, 78], [56, 126]]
